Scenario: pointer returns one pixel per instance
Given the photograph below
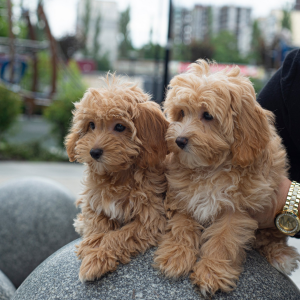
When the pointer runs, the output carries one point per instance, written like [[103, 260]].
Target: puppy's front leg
[[223, 252], [178, 250], [119, 245], [92, 228]]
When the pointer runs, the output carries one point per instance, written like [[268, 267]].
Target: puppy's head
[[215, 117], [116, 127]]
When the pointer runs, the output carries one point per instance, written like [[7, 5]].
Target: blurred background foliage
[[87, 47], [10, 108], [44, 72], [59, 113]]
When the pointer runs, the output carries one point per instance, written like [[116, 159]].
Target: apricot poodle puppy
[[226, 161], [119, 134]]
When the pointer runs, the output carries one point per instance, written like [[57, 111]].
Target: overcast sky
[[144, 14]]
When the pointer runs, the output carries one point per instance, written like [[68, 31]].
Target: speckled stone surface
[[57, 278], [7, 289], [36, 217]]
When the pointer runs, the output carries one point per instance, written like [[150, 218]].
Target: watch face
[[287, 223]]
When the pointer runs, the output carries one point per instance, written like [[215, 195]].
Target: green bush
[[59, 113], [10, 108], [103, 63], [30, 151], [258, 84]]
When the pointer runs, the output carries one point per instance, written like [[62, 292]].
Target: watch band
[[290, 209], [293, 198]]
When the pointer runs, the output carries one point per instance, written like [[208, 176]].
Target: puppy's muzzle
[[181, 142], [96, 153]]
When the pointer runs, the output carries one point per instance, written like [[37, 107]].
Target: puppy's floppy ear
[[70, 143], [73, 136], [151, 126], [251, 125]]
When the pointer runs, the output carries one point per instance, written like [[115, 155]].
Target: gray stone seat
[[7, 289], [57, 278], [36, 219]]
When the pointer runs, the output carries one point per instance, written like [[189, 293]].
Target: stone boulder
[[36, 217], [7, 289], [57, 278]]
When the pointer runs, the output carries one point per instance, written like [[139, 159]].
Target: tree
[[125, 44], [226, 49], [69, 44], [4, 24], [10, 108], [59, 113], [96, 44], [258, 48], [86, 26], [181, 52], [151, 51], [103, 62], [204, 49], [209, 33], [286, 19]]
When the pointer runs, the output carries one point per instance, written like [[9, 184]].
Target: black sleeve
[[281, 95]]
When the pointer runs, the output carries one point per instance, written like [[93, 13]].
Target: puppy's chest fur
[[204, 195], [117, 205], [201, 198]]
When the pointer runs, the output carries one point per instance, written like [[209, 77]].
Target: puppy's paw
[[96, 264], [284, 258], [174, 260], [88, 245], [211, 276]]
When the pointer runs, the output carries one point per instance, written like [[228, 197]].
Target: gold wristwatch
[[287, 220]]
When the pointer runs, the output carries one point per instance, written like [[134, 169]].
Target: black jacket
[[281, 95]]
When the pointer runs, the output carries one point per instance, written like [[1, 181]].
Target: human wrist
[[287, 218], [282, 194]]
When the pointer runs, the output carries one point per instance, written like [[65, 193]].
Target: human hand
[[266, 218]]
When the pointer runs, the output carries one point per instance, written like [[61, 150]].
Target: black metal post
[[167, 52], [155, 82]]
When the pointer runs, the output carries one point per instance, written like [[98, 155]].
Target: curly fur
[[232, 165], [122, 210]]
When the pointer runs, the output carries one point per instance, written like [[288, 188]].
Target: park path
[[70, 175]]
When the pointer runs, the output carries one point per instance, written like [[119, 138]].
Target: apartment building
[[202, 21]]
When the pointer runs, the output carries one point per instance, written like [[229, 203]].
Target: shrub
[[103, 63], [59, 113], [258, 84], [10, 108], [31, 151]]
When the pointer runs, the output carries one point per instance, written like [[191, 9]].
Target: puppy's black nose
[[96, 153], [181, 142]]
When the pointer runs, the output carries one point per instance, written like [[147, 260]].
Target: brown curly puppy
[[226, 162], [118, 133]]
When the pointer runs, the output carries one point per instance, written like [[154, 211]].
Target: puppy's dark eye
[[119, 128], [92, 125], [182, 113], [207, 116]]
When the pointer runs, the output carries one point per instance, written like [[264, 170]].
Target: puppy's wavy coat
[[118, 133], [227, 161]]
